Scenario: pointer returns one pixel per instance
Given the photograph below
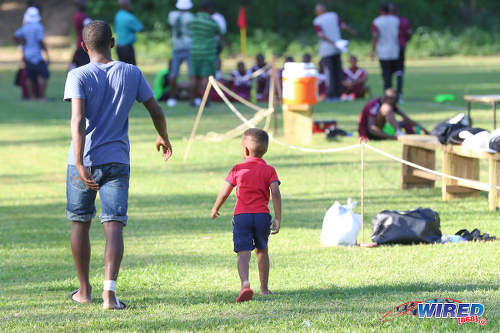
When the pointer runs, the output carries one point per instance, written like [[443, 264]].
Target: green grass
[[179, 272]]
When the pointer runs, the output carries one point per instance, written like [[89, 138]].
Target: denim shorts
[[251, 231], [113, 180], [178, 57]]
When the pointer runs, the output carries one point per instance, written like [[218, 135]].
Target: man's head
[[390, 97], [288, 59], [81, 5], [241, 67], [320, 9], [207, 6], [384, 9], [353, 61], [254, 143], [393, 9], [97, 37], [125, 4], [306, 57], [261, 61]]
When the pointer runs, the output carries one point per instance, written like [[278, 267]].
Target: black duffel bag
[[415, 226]]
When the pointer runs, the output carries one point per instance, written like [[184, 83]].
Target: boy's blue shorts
[[251, 231]]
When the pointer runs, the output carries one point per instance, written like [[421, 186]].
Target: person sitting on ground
[[241, 82], [354, 81], [161, 85], [101, 95], [253, 179], [262, 86], [31, 36], [379, 112]]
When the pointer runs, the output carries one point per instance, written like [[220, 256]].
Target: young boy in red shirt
[[252, 222]]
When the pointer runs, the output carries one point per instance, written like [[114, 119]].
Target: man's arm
[[221, 198], [44, 48], [78, 139], [276, 195], [376, 131], [347, 28], [160, 124], [410, 121], [374, 42]]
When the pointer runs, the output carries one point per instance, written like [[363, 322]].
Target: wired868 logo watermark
[[440, 308]]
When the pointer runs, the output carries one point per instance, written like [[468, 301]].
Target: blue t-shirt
[[33, 36], [126, 25], [109, 91]]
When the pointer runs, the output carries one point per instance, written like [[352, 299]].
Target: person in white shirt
[[181, 44], [328, 26], [385, 32]]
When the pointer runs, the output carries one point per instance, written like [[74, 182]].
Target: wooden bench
[[457, 161], [485, 99]]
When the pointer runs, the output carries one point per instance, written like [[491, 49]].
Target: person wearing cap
[[31, 36], [181, 44], [80, 20], [203, 57], [328, 26], [126, 26]]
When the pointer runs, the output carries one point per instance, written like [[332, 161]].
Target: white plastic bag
[[340, 225]]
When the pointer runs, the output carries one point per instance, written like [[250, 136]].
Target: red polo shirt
[[252, 179]]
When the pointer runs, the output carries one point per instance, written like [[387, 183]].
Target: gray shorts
[[178, 57]]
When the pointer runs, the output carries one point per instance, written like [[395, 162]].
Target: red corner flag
[[242, 18]]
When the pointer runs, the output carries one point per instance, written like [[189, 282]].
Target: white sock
[[110, 285]]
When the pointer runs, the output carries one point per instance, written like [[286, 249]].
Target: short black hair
[[206, 5], [306, 57], [97, 36], [260, 141], [384, 7]]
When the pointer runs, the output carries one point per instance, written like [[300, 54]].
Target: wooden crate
[[298, 123]]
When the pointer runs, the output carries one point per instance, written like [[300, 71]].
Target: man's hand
[[166, 148], [275, 227], [215, 213], [86, 178]]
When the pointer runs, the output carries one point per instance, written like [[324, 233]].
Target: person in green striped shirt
[[203, 57]]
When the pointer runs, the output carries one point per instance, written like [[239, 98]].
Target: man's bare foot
[[109, 301], [82, 296], [265, 292]]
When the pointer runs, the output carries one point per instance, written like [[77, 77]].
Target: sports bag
[[415, 226]]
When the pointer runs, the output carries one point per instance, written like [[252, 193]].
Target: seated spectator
[[262, 87], [161, 85], [380, 111], [354, 81], [307, 58], [241, 81]]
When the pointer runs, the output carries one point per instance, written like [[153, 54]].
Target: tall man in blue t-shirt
[[101, 95], [126, 26]]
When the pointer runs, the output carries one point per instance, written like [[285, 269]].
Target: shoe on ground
[[171, 102]]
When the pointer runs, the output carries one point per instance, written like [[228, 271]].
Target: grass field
[[179, 272]]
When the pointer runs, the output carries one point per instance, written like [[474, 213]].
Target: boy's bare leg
[[263, 263], [30, 88], [42, 86], [112, 257], [80, 247], [193, 87], [243, 268]]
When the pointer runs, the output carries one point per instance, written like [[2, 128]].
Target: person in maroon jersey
[[354, 81], [262, 87], [80, 20], [405, 33]]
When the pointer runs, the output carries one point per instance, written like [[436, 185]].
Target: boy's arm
[[78, 138], [221, 198], [160, 123], [276, 195]]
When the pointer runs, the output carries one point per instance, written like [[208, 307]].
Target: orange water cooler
[[300, 93]]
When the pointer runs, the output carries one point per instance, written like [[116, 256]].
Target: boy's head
[[353, 61], [260, 60], [97, 37], [306, 58], [254, 143], [384, 9], [390, 97], [241, 67]]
